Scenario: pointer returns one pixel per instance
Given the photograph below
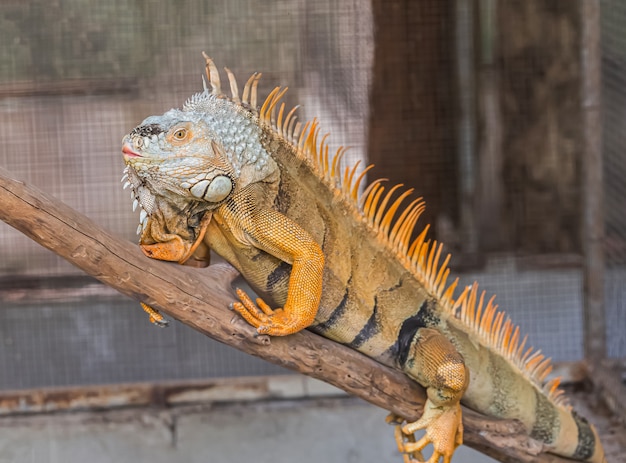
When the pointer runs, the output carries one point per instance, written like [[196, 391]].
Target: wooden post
[[594, 323], [199, 298]]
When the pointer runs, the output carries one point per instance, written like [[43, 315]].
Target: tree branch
[[200, 297]]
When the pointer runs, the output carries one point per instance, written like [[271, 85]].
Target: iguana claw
[[401, 439], [444, 430], [266, 320], [155, 316]]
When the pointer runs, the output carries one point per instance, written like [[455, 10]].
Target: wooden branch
[[200, 297]]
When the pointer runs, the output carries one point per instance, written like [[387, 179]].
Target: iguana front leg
[[281, 237], [435, 363]]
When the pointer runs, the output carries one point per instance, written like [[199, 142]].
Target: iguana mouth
[[128, 152]]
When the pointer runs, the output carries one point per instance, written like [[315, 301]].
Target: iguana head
[[203, 152], [195, 158], [177, 155]]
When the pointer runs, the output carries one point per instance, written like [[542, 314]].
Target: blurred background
[[489, 108]]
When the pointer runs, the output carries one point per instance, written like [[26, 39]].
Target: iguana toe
[[155, 316]]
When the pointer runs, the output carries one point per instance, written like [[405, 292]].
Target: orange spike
[[497, 330], [347, 185], [318, 155], [374, 205], [267, 102], [323, 147], [292, 128], [325, 162], [355, 189], [447, 295], [422, 257], [406, 230], [430, 261], [555, 385], [274, 102], [472, 303], [310, 143], [417, 244], [303, 134], [337, 162], [386, 221], [442, 275], [212, 74], [460, 301], [544, 369], [383, 205], [506, 337], [514, 341], [479, 309], [487, 320], [534, 361], [520, 349], [279, 120], [254, 93], [287, 123], [297, 132], [442, 286], [234, 90], [435, 268], [370, 193], [400, 222], [366, 196], [246, 89], [530, 360]]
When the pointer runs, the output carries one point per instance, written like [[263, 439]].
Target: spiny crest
[[498, 331], [378, 207]]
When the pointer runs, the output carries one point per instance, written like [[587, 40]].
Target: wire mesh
[[614, 154], [76, 76]]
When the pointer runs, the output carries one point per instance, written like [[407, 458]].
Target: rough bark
[[199, 298]]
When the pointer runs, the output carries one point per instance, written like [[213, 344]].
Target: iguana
[[261, 190]]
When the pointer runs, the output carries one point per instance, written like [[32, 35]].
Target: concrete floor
[[339, 430]]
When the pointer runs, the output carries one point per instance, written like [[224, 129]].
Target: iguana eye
[[180, 134]]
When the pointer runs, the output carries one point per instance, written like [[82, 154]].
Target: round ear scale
[[219, 189], [214, 190]]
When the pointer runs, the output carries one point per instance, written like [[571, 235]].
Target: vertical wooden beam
[[411, 123], [593, 197], [538, 59], [490, 187], [465, 57]]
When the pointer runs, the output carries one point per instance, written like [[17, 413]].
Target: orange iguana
[[261, 190]]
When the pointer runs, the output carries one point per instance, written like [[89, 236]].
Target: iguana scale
[[261, 190]]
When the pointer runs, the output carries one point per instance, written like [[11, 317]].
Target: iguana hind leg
[[434, 362]]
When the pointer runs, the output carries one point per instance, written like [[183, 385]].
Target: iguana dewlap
[[261, 190]]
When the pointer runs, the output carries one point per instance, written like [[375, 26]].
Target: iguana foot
[[402, 439], [155, 316], [266, 321], [444, 429]]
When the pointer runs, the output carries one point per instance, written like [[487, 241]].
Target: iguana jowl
[[261, 190]]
